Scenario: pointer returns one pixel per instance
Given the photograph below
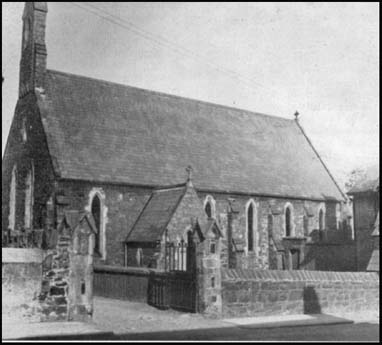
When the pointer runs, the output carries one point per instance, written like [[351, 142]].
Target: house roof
[[365, 185], [374, 261], [376, 226], [156, 214], [106, 132]]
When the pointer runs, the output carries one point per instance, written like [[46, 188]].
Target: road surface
[[349, 332]]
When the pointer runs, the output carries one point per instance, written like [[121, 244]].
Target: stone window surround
[[292, 224], [101, 196], [209, 199], [255, 229]]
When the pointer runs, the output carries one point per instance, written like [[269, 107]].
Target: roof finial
[[189, 174], [296, 114]]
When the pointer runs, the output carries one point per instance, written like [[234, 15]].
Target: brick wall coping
[[300, 275], [142, 271], [22, 255]]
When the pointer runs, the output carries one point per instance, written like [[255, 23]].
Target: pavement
[[52, 330], [119, 319], [82, 330]]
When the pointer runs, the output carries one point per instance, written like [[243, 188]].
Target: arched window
[[252, 236], [96, 212], [250, 227], [306, 225], [24, 130], [270, 225], [208, 209], [338, 216], [209, 206], [26, 34], [28, 214], [139, 257], [12, 201], [321, 220], [288, 220]]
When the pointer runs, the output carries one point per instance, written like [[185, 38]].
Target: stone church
[[121, 153]]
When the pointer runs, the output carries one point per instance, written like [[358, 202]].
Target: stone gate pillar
[[208, 271]]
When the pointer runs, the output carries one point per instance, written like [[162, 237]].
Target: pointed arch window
[[321, 220], [338, 216], [252, 235], [28, 214], [305, 221], [97, 215], [26, 34], [270, 225], [208, 209], [288, 220], [12, 200], [139, 257], [209, 206]]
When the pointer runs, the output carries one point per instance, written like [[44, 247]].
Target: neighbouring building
[[373, 264], [365, 196], [117, 151]]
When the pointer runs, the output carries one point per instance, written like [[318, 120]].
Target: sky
[[321, 59]]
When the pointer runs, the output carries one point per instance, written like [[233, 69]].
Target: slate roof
[[106, 132], [366, 185], [374, 261], [155, 216], [376, 227]]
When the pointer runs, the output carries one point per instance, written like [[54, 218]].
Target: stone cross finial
[[189, 173]]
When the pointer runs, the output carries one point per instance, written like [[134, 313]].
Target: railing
[[179, 256], [25, 238]]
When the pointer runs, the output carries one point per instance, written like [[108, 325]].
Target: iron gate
[[175, 288]]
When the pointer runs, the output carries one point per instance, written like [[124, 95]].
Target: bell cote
[[33, 48]]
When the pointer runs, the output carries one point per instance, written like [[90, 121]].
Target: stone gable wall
[[22, 154], [190, 207]]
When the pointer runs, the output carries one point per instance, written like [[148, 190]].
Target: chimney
[[33, 49]]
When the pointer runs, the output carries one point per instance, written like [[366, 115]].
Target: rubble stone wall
[[260, 293]]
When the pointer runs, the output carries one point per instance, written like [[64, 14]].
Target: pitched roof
[[156, 214], [365, 185], [213, 227], [72, 218], [376, 226], [101, 131], [374, 261]]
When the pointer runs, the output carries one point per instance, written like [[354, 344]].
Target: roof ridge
[[173, 187], [159, 93]]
